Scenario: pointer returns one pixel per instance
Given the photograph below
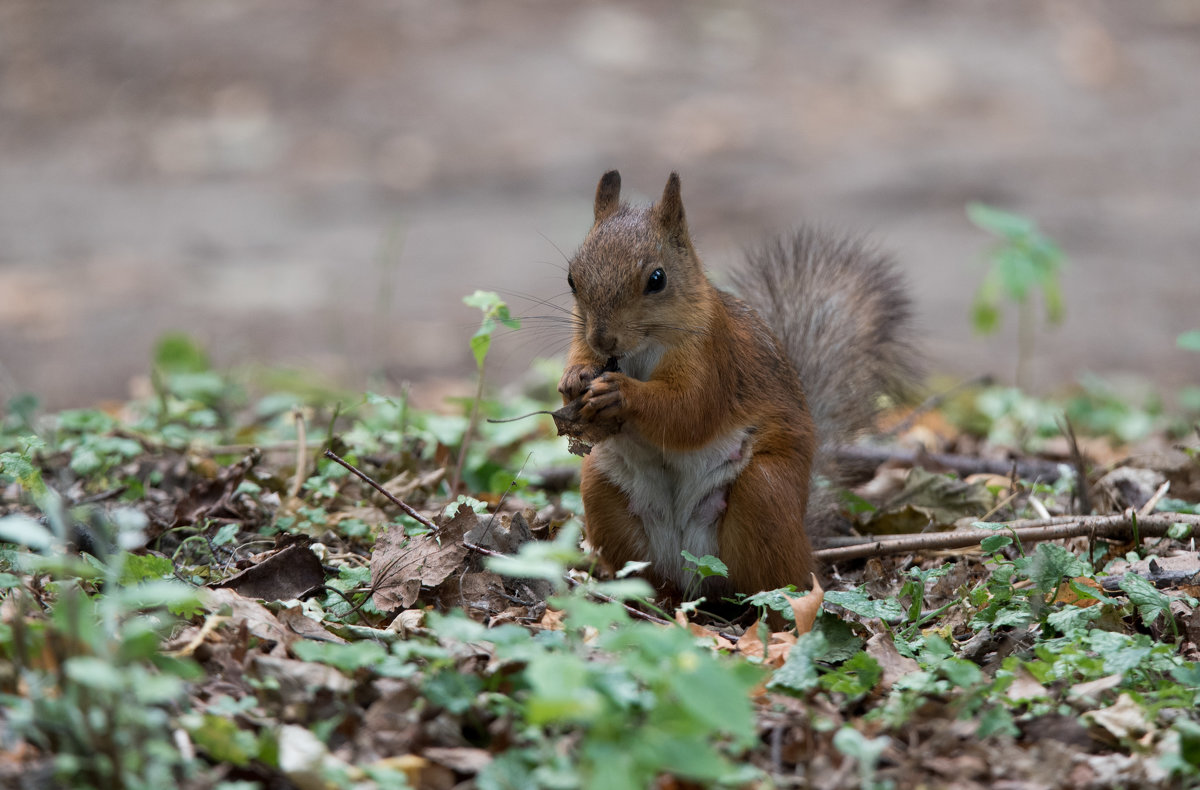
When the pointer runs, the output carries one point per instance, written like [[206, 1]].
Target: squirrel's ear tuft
[[668, 212], [608, 195]]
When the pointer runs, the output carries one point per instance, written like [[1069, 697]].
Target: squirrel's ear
[[668, 211], [608, 195]]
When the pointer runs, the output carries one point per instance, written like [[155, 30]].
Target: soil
[[308, 184]]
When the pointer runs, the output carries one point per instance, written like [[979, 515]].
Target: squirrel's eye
[[571, 282], [657, 281]]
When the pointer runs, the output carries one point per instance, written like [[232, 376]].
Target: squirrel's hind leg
[[762, 538]]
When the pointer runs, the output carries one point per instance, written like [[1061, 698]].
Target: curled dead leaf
[[807, 608]]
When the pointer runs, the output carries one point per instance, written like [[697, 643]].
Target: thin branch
[[301, 454], [1031, 531], [1082, 497], [1027, 469], [391, 498]]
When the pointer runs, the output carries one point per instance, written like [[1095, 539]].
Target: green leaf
[[860, 603], [997, 721], [1150, 602], [139, 568], [1051, 563], [349, 657], [176, 352], [799, 672], [95, 673], [1071, 620], [221, 739], [960, 672], [561, 691], [706, 566], [1002, 223], [24, 531], [985, 316], [1189, 741], [484, 300], [481, 341], [1189, 341], [992, 544], [855, 678]]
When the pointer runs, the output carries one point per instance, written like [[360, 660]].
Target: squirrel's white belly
[[679, 496]]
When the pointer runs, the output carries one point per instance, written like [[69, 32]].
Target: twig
[[468, 437], [242, 449], [301, 454], [1115, 526], [1153, 501], [393, 499], [1028, 469], [1082, 497]]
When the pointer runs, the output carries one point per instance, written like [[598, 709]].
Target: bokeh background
[[317, 184]]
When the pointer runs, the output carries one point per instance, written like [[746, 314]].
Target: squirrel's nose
[[602, 341]]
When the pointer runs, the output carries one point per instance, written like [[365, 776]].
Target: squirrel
[[708, 413]]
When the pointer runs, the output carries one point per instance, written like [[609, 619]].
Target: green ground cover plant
[[191, 594]]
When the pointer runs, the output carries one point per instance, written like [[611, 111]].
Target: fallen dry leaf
[[214, 497], [1025, 687], [256, 618], [778, 645], [895, 666], [1123, 719], [283, 575], [807, 608], [1092, 689], [400, 565], [302, 625]]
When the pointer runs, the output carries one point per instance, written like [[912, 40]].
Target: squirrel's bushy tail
[[843, 315]]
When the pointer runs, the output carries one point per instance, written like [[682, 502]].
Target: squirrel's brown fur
[[707, 440]]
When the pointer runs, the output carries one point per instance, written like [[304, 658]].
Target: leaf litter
[[343, 644]]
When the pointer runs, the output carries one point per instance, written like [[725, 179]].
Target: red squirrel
[[709, 412]]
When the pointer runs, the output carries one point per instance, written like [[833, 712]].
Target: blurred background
[[312, 184]]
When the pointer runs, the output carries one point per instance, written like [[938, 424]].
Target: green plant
[[89, 685], [629, 700], [1022, 261], [495, 314]]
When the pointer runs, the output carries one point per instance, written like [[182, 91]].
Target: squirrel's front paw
[[604, 404], [575, 381]]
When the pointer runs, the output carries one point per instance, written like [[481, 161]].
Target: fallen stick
[[391, 497], [1027, 468], [1115, 526]]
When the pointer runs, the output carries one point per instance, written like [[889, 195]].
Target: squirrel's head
[[636, 277]]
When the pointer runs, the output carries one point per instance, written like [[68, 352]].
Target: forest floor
[[196, 593]]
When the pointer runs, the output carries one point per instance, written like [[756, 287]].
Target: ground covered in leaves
[[194, 594]]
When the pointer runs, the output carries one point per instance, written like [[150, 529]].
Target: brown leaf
[[295, 620], [286, 574], [482, 591], [778, 645], [807, 608], [895, 666], [255, 617], [461, 759], [581, 435], [209, 498], [400, 565]]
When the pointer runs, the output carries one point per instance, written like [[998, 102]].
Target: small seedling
[[495, 314], [1022, 261]]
